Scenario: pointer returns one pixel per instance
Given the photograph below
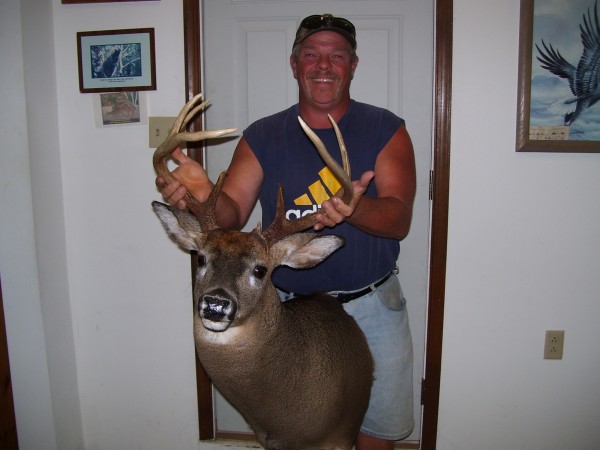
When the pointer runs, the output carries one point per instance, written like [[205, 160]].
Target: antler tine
[[281, 226], [194, 111], [178, 137], [183, 117], [345, 159], [205, 212], [343, 175]]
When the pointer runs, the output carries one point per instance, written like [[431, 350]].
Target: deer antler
[[343, 175], [177, 138], [281, 226]]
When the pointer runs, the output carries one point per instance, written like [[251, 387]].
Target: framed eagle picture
[[559, 76]]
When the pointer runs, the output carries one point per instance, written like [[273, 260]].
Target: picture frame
[[116, 60], [118, 109], [552, 117]]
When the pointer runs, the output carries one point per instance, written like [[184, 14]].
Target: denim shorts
[[383, 317]]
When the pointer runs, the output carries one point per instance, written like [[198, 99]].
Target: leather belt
[[345, 297]]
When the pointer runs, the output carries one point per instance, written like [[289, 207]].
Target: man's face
[[324, 68]]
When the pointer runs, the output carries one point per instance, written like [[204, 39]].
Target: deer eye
[[201, 260], [260, 271]]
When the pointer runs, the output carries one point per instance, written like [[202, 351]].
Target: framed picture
[[116, 60], [559, 73], [115, 109]]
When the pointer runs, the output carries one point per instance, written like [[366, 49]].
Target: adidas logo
[[319, 191]]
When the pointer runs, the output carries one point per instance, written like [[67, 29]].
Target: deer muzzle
[[217, 310]]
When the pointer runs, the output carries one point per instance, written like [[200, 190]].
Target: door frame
[[439, 195], [8, 422]]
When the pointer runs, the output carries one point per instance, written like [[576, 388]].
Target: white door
[[246, 46]]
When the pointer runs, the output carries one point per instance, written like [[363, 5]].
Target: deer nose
[[217, 307]]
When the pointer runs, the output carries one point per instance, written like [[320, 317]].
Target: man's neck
[[317, 117]]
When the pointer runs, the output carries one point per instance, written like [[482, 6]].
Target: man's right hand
[[189, 176]]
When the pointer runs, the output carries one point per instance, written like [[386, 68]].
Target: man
[[274, 151]]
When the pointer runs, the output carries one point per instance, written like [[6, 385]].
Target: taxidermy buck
[[300, 372]]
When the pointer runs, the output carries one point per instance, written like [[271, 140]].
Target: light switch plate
[[158, 130]]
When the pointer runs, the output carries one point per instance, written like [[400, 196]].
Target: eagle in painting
[[583, 79]]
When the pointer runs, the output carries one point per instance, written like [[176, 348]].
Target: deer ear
[[181, 226], [304, 250]]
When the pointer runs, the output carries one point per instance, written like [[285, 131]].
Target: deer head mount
[[301, 371]]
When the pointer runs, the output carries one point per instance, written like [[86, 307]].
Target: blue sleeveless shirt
[[289, 158]]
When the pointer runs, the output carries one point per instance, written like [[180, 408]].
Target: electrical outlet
[[553, 347], [158, 130]]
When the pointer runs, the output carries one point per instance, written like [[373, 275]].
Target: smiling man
[[362, 275], [324, 66]]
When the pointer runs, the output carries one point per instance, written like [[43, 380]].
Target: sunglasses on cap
[[326, 22]]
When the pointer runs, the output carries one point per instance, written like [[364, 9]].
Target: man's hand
[[334, 211], [189, 176]]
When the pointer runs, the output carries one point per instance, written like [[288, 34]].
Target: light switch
[[158, 130]]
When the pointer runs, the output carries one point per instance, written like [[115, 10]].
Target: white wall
[[97, 300], [28, 348], [129, 286], [100, 345], [523, 257]]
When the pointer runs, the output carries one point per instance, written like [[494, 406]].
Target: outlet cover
[[158, 130], [553, 347]]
